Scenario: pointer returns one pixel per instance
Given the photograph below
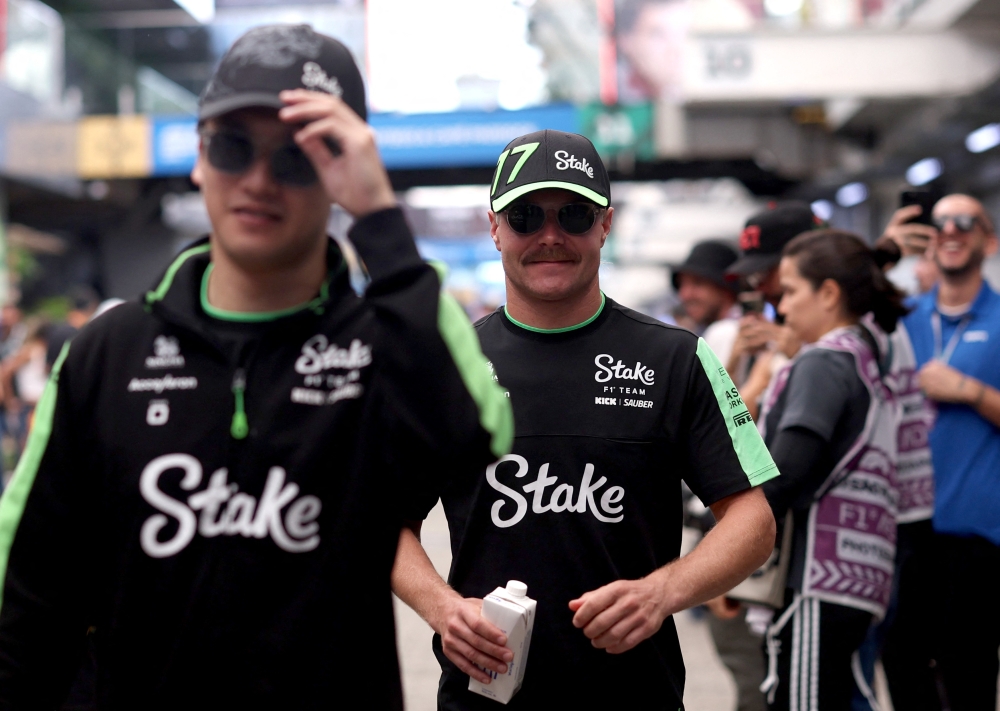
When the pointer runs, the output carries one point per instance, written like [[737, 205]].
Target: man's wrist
[[438, 611], [977, 401], [665, 592], [383, 202]]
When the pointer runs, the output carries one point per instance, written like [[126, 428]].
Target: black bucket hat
[[709, 259]]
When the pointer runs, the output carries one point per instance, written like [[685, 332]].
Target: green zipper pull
[[240, 427]]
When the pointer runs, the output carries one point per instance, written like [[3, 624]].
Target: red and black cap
[[767, 233], [270, 59], [550, 159]]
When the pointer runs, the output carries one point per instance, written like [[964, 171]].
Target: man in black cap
[[613, 410], [763, 238], [708, 298], [217, 474]]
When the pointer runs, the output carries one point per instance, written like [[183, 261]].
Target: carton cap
[[517, 588]]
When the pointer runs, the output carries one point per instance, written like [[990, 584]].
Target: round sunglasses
[[575, 219], [233, 151], [963, 223]]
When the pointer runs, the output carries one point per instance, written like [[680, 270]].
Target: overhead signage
[[102, 147], [461, 138], [175, 145], [113, 147]]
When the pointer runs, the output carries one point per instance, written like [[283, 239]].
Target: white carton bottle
[[513, 612]]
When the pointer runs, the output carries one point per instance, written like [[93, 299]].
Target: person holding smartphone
[[955, 332], [218, 471]]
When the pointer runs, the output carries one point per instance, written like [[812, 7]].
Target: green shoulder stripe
[[750, 448], [168, 278], [495, 414], [15, 497]]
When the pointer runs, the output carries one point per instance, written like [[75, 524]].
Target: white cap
[[517, 588]]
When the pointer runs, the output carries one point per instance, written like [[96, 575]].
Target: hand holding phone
[[911, 226]]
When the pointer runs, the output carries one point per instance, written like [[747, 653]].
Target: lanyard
[[945, 355]]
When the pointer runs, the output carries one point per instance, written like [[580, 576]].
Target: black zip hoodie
[[225, 520]]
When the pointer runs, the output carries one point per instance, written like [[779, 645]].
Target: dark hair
[[857, 269]]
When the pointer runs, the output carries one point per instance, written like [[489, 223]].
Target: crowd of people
[[28, 348], [225, 479], [890, 571]]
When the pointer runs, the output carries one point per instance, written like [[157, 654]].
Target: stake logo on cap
[[270, 59], [550, 159]]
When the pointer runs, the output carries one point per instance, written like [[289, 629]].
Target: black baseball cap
[[709, 259], [272, 58], [767, 233], [550, 159]]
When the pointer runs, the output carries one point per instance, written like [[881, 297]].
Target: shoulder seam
[[653, 323]]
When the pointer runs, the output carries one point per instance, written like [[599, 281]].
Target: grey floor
[[709, 686]]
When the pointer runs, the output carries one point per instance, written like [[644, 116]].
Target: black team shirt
[[610, 416]]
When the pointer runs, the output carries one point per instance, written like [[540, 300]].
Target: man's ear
[[606, 224], [494, 225], [197, 172], [992, 245]]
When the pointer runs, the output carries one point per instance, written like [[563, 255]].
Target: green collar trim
[[526, 327], [315, 304], [168, 278]]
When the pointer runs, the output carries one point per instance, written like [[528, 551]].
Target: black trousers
[[908, 653], [969, 569], [814, 661]]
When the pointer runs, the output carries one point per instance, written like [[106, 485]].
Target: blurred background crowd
[[705, 111]]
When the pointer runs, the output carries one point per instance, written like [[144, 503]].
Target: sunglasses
[[963, 223], [234, 152], [575, 218]]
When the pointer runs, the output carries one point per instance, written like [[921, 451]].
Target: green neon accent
[[168, 278], [16, 496], [526, 327], [525, 150], [240, 426], [495, 414], [750, 448], [496, 178], [509, 197], [261, 316]]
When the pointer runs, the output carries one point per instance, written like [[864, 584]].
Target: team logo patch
[[166, 354], [157, 413]]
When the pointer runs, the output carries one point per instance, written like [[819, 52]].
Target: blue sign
[[456, 139], [461, 138], [175, 145]]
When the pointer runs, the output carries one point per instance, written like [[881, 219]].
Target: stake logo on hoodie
[[223, 510]]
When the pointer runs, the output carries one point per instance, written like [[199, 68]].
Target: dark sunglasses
[[575, 218], [233, 152], [963, 223]]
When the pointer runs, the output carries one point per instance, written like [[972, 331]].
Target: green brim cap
[[550, 159]]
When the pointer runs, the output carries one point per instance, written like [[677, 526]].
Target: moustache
[[549, 254]]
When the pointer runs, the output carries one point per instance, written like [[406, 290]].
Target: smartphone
[[751, 302], [925, 199]]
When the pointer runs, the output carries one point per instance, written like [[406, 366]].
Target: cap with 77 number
[[550, 159]]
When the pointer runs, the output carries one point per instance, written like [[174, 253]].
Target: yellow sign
[[114, 147]]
